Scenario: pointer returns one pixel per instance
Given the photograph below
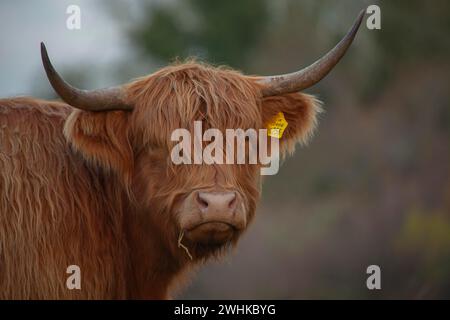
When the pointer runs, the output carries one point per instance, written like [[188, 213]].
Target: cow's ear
[[102, 138], [300, 112]]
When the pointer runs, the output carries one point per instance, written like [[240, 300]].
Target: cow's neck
[[152, 267]]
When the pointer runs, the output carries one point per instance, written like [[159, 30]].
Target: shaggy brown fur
[[99, 189]]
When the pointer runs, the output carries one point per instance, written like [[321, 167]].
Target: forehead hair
[[176, 96]]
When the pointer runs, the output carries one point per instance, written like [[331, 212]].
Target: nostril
[[202, 200], [232, 203]]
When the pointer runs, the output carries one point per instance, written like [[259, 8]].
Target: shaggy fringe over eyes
[[178, 95]]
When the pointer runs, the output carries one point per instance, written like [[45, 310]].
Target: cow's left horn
[[309, 76], [93, 100]]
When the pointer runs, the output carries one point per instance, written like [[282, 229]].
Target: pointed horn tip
[[45, 58], [362, 12], [356, 25], [96, 100], [43, 49], [342, 46], [361, 15]]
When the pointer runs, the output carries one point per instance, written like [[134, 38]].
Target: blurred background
[[373, 186]]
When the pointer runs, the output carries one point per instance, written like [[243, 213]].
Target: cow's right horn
[[309, 76], [92, 100]]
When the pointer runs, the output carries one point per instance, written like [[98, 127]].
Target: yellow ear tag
[[276, 126]]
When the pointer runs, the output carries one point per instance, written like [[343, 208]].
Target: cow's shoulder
[[30, 108], [30, 122], [24, 113]]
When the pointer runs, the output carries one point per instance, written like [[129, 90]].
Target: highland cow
[[90, 181]]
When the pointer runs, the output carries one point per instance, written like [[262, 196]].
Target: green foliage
[[427, 232], [409, 35], [426, 236], [223, 32], [413, 33]]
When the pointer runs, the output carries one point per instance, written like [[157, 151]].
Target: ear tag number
[[276, 126]]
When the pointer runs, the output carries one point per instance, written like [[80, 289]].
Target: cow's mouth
[[210, 222], [211, 233]]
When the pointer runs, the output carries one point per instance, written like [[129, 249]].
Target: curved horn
[[94, 100], [309, 76]]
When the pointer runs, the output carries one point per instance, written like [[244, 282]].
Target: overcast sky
[[24, 24]]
